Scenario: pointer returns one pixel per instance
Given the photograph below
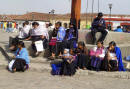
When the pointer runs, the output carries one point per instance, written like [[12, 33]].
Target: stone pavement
[[40, 80]]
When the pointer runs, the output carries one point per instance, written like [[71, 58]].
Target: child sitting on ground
[[67, 56], [68, 66]]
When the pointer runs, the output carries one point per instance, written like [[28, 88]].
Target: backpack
[[56, 68]]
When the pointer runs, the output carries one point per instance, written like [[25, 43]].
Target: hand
[[78, 53], [68, 61], [42, 37], [97, 56], [26, 39], [109, 48], [14, 57], [100, 24]]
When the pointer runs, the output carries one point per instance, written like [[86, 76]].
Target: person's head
[[58, 25], [71, 25], [21, 44], [81, 45], [26, 23], [47, 25], [23, 24], [112, 45], [35, 25], [72, 51], [66, 51], [99, 44], [65, 25], [100, 15], [118, 26], [50, 24]]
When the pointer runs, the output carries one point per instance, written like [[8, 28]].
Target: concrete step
[[118, 37]]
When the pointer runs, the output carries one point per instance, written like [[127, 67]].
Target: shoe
[[36, 54]]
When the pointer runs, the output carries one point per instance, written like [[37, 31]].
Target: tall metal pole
[[98, 6], [110, 7], [92, 10], [86, 14]]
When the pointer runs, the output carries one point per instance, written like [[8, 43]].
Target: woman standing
[[52, 43]]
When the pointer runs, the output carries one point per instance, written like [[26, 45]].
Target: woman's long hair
[[113, 43]]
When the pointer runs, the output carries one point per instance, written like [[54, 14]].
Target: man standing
[[98, 25]]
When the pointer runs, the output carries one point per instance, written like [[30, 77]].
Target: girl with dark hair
[[97, 55], [114, 58], [21, 57], [83, 56], [71, 37], [52, 43]]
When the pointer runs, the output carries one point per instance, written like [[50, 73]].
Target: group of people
[[98, 58], [120, 29], [21, 57], [63, 44], [8, 26]]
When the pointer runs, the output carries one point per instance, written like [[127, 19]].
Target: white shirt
[[24, 32], [36, 32], [44, 31], [112, 55]]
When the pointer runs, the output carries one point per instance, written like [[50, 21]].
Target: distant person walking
[[98, 25]]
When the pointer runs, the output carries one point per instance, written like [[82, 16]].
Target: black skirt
[[113, 65], [19, 64], [59, 47], [83, 61], [109, 65], [68, 69]]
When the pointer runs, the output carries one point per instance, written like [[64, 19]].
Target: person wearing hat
[[98, 25]]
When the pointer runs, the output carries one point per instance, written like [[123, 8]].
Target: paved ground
[[38, 80], [39, 77]]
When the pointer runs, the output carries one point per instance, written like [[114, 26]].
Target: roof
[[33, 16], [36, 16], [118, 19]]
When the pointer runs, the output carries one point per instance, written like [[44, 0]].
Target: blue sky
[[60, 6]]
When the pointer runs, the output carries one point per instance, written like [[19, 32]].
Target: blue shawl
[[119, 57]]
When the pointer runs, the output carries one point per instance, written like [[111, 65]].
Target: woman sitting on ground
[[97, 55], [83, 56], [21, 59], [113, 58], [68, 66]]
